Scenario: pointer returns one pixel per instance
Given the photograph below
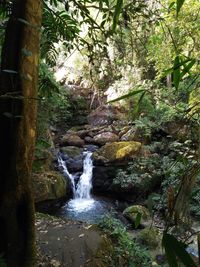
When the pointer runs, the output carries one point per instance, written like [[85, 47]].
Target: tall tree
[[18, 93]]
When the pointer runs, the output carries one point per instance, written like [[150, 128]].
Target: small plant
[[126, 251]]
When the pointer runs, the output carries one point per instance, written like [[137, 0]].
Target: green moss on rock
[[117, 151]]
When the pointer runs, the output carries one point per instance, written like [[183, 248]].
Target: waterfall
[[61, 163], [84, 186], [85, 182]]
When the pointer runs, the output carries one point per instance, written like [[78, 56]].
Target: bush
[[126, 252]]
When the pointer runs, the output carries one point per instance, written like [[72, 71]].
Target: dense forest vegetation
[[108, 91]]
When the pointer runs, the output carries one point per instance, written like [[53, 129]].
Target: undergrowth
[[126, 251]]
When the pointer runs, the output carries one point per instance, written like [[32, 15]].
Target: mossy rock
[[132, 212], [150, 237], [49, 185], [117, 152], [71, 151]]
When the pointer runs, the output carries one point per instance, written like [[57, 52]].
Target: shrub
[[126, 252]]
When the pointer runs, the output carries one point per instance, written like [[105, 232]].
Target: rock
[[124, 130], [43, 160], [72, 243], [74, 165], [150, 237], [49, 185], [72, 140], [71, 151], [105, 137], [89, 140], [178, 129], [128, 135], [116, 152], [105, 115], [132, 212], [91, 148]]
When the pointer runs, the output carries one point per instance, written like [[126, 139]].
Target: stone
[[116, 152], [72, 140], [105, 115], [105, 137], [150, 237], [49, 185], [129, 135], [71, 151], [132, 212], [91, 148], [89, 140]]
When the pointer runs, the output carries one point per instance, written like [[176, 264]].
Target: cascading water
[[82, 199], [83, 207], [84, 185], [62, 164]]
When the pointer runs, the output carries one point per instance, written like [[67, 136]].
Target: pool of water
[[87, 210]]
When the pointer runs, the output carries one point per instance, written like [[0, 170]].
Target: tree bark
[[18, 107]]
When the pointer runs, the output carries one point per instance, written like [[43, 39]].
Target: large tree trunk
[[18, 93]]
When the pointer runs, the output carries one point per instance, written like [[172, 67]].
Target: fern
[[57, 26]]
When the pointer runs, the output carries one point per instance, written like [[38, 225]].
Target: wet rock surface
[[70, 244], [49, 185]]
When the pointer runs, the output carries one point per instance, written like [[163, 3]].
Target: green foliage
[[142, 174], [57, 26], [126, 251], [47, 84], [174, 249]]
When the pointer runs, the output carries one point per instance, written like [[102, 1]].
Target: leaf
[[187, 67], [140, 101], [171, 5], [169, 71], [117, 11], [179, 4], [126, 95], [174, 248], [138, 219], [176, 72]]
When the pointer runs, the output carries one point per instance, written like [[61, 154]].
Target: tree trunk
[[18, 93]]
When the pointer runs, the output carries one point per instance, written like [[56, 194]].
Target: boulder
[[129, 135], [71, 151], [116, 153], [105, 137], [49, 185], [150, 237], [72, 140], [89, 140], [131, 213]]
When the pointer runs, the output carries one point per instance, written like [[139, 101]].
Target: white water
[[82, 199], [84, 185], [62, 164]]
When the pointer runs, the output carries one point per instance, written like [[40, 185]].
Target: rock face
[[72, 140], [107, 160], [49, 186], [116, 153]]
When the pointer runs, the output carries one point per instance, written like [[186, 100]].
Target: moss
[[135, 209], [150, 237], [118, 151]]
